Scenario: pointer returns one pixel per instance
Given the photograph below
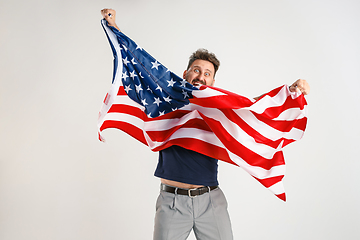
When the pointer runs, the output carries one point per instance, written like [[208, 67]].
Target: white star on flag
[[167, 99], [138, 88], [124, 76], [155, 65], [158, 87], [127, 88], [183, 83], [144, 102], [138, 47], [157, 101], [125, 61], [185, 94], [171, 83], [133, 75]]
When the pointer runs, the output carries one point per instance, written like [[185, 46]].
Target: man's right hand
[[110, 16]]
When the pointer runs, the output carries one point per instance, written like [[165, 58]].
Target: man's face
[[201, 72]]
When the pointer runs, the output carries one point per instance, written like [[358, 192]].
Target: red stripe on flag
[[283, 125], [230, 100], [268, 182], [274, 112], [246, 154], [282, 196], [121, 91], [200, 147], [126, 127], [249, 130], [122, 108]]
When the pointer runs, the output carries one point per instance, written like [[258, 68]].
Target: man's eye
[[207, 74], [196, 70]]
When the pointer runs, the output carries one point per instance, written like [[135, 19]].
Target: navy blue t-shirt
[[186, 166]]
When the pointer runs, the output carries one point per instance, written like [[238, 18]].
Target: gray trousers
[[176, 215]]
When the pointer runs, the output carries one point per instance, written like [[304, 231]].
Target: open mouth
[[197, 83]]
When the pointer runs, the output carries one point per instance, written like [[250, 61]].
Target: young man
[[190, 198]]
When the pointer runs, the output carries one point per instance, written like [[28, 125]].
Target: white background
[[57, 181]]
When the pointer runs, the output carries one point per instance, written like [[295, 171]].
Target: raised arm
[[110, 17], [299, 85]]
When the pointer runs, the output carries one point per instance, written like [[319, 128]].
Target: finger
[[106, 11], [110, 13], [305, 91], [304, 87], [107, 16], [295, 88], [103, 12], [292, 88]]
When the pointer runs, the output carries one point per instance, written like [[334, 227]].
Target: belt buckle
[[189, 192]]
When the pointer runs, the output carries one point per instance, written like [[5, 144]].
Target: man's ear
[[213, 83], [184, 74]]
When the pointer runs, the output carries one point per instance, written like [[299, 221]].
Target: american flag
[[160, 109]]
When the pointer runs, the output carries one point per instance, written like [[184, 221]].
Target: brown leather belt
[[189, 192]]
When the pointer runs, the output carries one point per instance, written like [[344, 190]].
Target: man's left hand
[[300, 85]]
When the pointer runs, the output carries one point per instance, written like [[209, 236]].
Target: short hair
[[204, 54]]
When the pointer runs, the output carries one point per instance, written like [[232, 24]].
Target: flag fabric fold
[[160, 109]]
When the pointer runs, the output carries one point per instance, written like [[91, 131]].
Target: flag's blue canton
[[148, 82]]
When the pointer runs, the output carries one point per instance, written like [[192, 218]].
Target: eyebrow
[[205, 68]]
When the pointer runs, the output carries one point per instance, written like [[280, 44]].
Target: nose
[[201, 76]]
